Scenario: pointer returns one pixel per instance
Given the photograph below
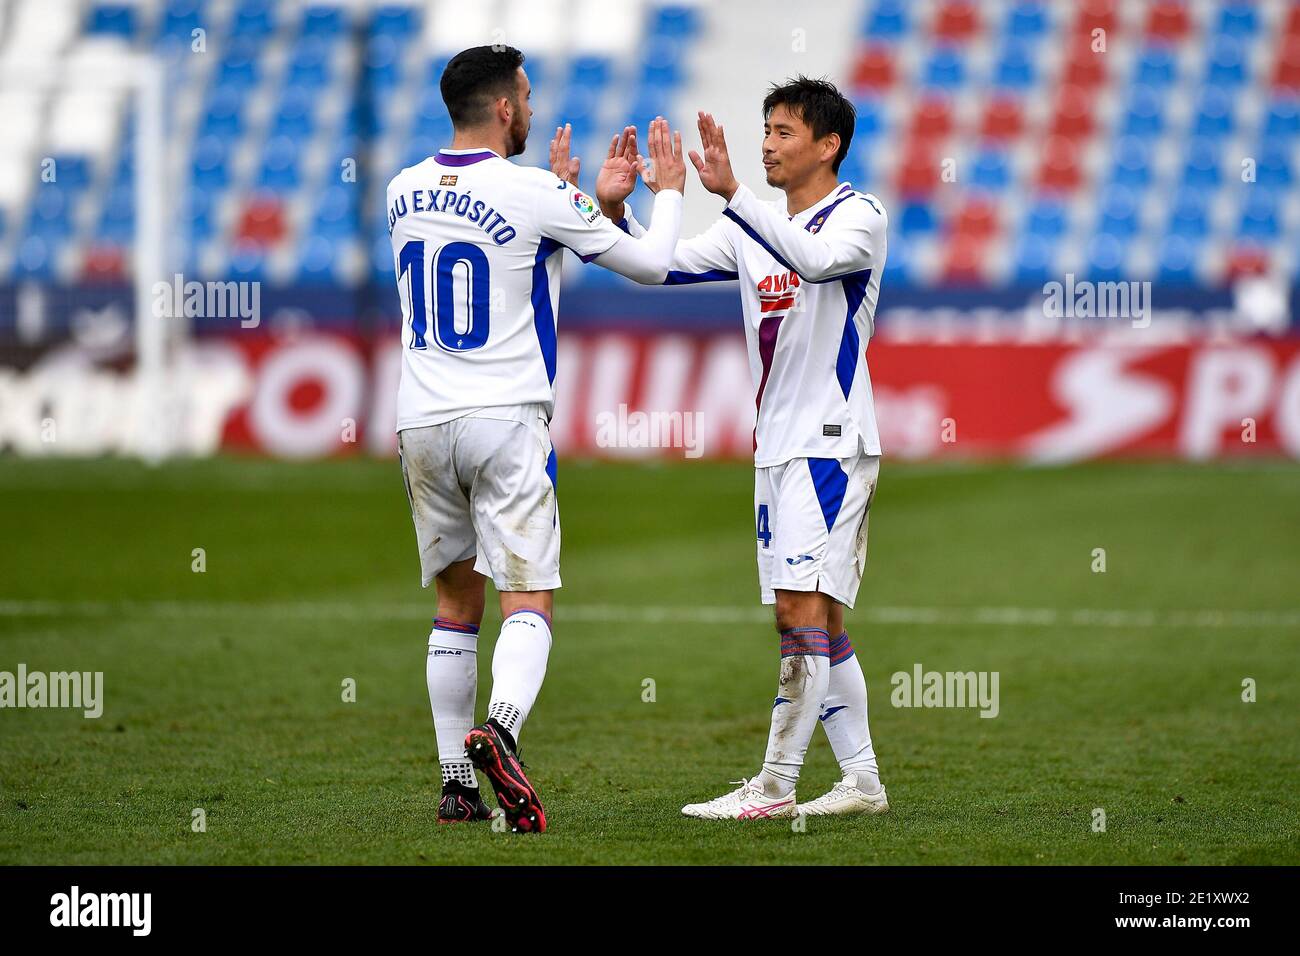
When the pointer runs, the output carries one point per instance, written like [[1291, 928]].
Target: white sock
[[844, 717], [518, 668], [451, 671], [805, 667]]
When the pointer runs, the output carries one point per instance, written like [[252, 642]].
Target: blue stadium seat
[[945, 70], [1132, 167], [674, 22], [112, 19], [1014, 68], [224, 113], [871, 120], [253, 18], [317, 259], [1283, 118], [210, 166], [887, 20], [1214, 113], [1106, 257], [323, 21], [1119, 214], [295, 116], [1259, 216], [399, 22], [336, 212], [1144, 116], [310, 62], [1156, 66], [35, 257], [991, 171], [917, 219], [1178, 256], [240, 65], [1034, 260], [1227, 63], [1046, 219], [179, 19], [1273, 166], [279, 171], [1202, 167], [1238, 19], [1026, 19], [51, 212], [1189, 216], [248, 263]]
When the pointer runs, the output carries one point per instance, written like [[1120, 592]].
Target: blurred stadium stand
[[1123, 165]]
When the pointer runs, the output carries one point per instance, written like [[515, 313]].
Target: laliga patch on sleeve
[[587, 209]]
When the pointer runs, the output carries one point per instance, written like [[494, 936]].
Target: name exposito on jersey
[[453, 203]]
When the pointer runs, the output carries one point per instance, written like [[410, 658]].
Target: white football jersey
[[475, 242], [809, 285]]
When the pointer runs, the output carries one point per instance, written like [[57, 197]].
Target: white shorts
[[811, 516], [484, 484]]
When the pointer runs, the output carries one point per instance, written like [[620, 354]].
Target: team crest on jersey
[[776, 293], [448, 180], [586, 208]]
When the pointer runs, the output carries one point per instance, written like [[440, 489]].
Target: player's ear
[[830, 147]]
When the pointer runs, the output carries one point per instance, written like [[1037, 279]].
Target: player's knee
[[801, 609]]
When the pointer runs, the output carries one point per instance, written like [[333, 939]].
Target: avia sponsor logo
[[922, 688], [75, 908], [777, 292]]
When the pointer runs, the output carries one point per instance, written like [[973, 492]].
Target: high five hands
[[666, 169]]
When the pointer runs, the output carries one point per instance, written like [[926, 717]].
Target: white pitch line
[[1210, 619]]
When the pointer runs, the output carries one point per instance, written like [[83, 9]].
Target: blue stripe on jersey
[[690, 278], [543, 317], [855, 290], [830, 482], [749, 231], [553, 470]]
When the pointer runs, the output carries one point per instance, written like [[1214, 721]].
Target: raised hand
[[617, 177], [668, 167], [714, 166], [562, 165]]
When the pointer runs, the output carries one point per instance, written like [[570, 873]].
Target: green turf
[[223, 689]]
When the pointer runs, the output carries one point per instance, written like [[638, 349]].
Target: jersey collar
[[814, 217], [464, 157]]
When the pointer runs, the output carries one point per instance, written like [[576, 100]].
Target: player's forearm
[[648, 257], [811, 256]]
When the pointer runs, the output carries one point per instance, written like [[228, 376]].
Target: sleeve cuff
[[738, 197]]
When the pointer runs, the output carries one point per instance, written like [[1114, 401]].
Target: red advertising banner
[[629, 396]]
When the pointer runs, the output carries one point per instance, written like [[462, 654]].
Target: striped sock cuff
[[841, 649], [442, 624], [811, 641]]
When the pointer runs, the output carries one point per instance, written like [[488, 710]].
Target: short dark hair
[[819, 104], [475, 78]]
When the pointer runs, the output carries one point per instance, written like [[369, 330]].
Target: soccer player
[[475, 239], [809, 270]]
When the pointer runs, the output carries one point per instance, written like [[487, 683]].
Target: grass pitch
[[223, 689]]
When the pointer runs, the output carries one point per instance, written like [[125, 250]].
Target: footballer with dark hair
[[809, 269]]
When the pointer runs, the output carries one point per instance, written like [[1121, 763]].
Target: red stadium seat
[[964, 263], [1293, 21], [1072, 117], [1003, 119], [932, 119], [102, 263], [1094, 14], [918, 173], [1060, 170], [956, 20], [874, 69], [977, 220], [1168, 20], [1246, 261], [1085, 68], [1287, 75], [262, 222]]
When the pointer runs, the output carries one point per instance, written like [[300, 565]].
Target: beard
[[517, 135]]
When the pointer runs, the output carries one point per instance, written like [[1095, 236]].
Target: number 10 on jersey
[[473, 331]]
